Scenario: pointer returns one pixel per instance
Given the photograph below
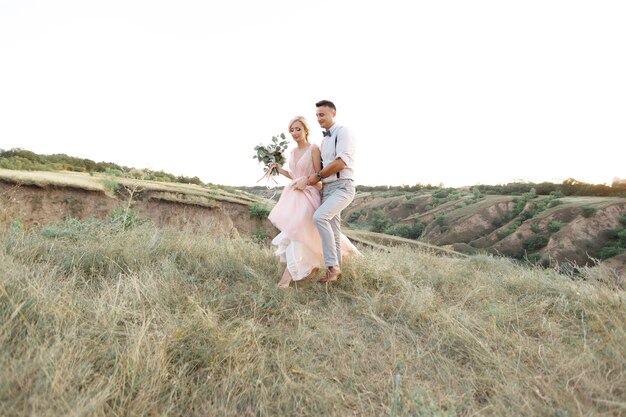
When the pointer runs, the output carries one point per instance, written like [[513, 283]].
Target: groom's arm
[[331, 169]]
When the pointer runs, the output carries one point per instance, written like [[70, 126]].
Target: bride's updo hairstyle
[[302, 120]]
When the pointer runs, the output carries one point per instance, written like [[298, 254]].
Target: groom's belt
[[332, 179]]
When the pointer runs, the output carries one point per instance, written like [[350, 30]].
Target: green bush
[[534, 257], [610, 251], [587, 212], [535, 242], [111, 185], [355, 215], [126, 218], [497, 222], [554, 203], [512, 228], [535, 228], [443, 193], [406, 231], [260, 235], [380, 222], [555, 226], [259, 211]]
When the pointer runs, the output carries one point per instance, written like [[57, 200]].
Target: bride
[[299, 244]]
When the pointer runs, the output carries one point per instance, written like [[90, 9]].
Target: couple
[[308, 213]]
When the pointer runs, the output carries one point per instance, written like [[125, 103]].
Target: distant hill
[[550, 230]]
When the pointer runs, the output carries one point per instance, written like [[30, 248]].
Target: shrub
[[259, 211], [111, 185], [512, 228], [126, 218], [587, 212], [555, 203], [380, 222], [498, 222], [535, 228], [610, 251], [535, 242], [355, 215], [527, 214], [406, 231], [555, 226], [534, 257], [502, 235], [260, 235], [441, 193]]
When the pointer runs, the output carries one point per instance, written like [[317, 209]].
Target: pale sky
[[455, 92]]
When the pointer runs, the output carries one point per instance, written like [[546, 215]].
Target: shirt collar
[[333, 128]]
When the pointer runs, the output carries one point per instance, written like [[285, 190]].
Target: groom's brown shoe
[[332, 275]]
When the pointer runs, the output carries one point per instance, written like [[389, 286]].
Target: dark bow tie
[[327, 133]]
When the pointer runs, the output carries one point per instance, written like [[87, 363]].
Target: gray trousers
[[336, 196]]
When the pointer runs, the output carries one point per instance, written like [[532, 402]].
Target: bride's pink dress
[[299, 244]]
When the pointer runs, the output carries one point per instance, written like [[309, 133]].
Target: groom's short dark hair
[[326, 103]]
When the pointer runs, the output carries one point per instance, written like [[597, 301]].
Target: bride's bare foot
[[285, 280], [314, 272]]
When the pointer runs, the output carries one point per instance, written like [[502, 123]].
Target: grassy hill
[[551, 230], [142, 302], [101, 318]]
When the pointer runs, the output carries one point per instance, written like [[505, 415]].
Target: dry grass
[[100, 321], [102, 182], [383, 241]]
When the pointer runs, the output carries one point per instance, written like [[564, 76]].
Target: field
[[110, 184], [121, 318]]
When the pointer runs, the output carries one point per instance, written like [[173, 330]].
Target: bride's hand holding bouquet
[[272, 156]]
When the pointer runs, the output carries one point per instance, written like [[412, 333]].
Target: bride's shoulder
[[315, 147]]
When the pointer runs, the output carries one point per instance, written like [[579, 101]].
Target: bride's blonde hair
[[302, 120]]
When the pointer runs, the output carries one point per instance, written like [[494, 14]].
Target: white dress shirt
[[345, 149]]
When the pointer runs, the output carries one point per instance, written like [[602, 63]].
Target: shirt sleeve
[[346, 146]]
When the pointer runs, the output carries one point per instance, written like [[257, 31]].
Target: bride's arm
[[316, 154]]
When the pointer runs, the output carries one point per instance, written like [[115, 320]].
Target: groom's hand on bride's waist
[[300, 183]]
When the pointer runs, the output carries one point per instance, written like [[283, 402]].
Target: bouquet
[[271, 153]]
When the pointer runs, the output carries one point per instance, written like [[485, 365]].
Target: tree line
[[22, 159], [569, 187]]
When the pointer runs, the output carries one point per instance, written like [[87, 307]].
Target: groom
[[338, 190]]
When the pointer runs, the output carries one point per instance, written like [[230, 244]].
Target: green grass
[[102, 319]]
